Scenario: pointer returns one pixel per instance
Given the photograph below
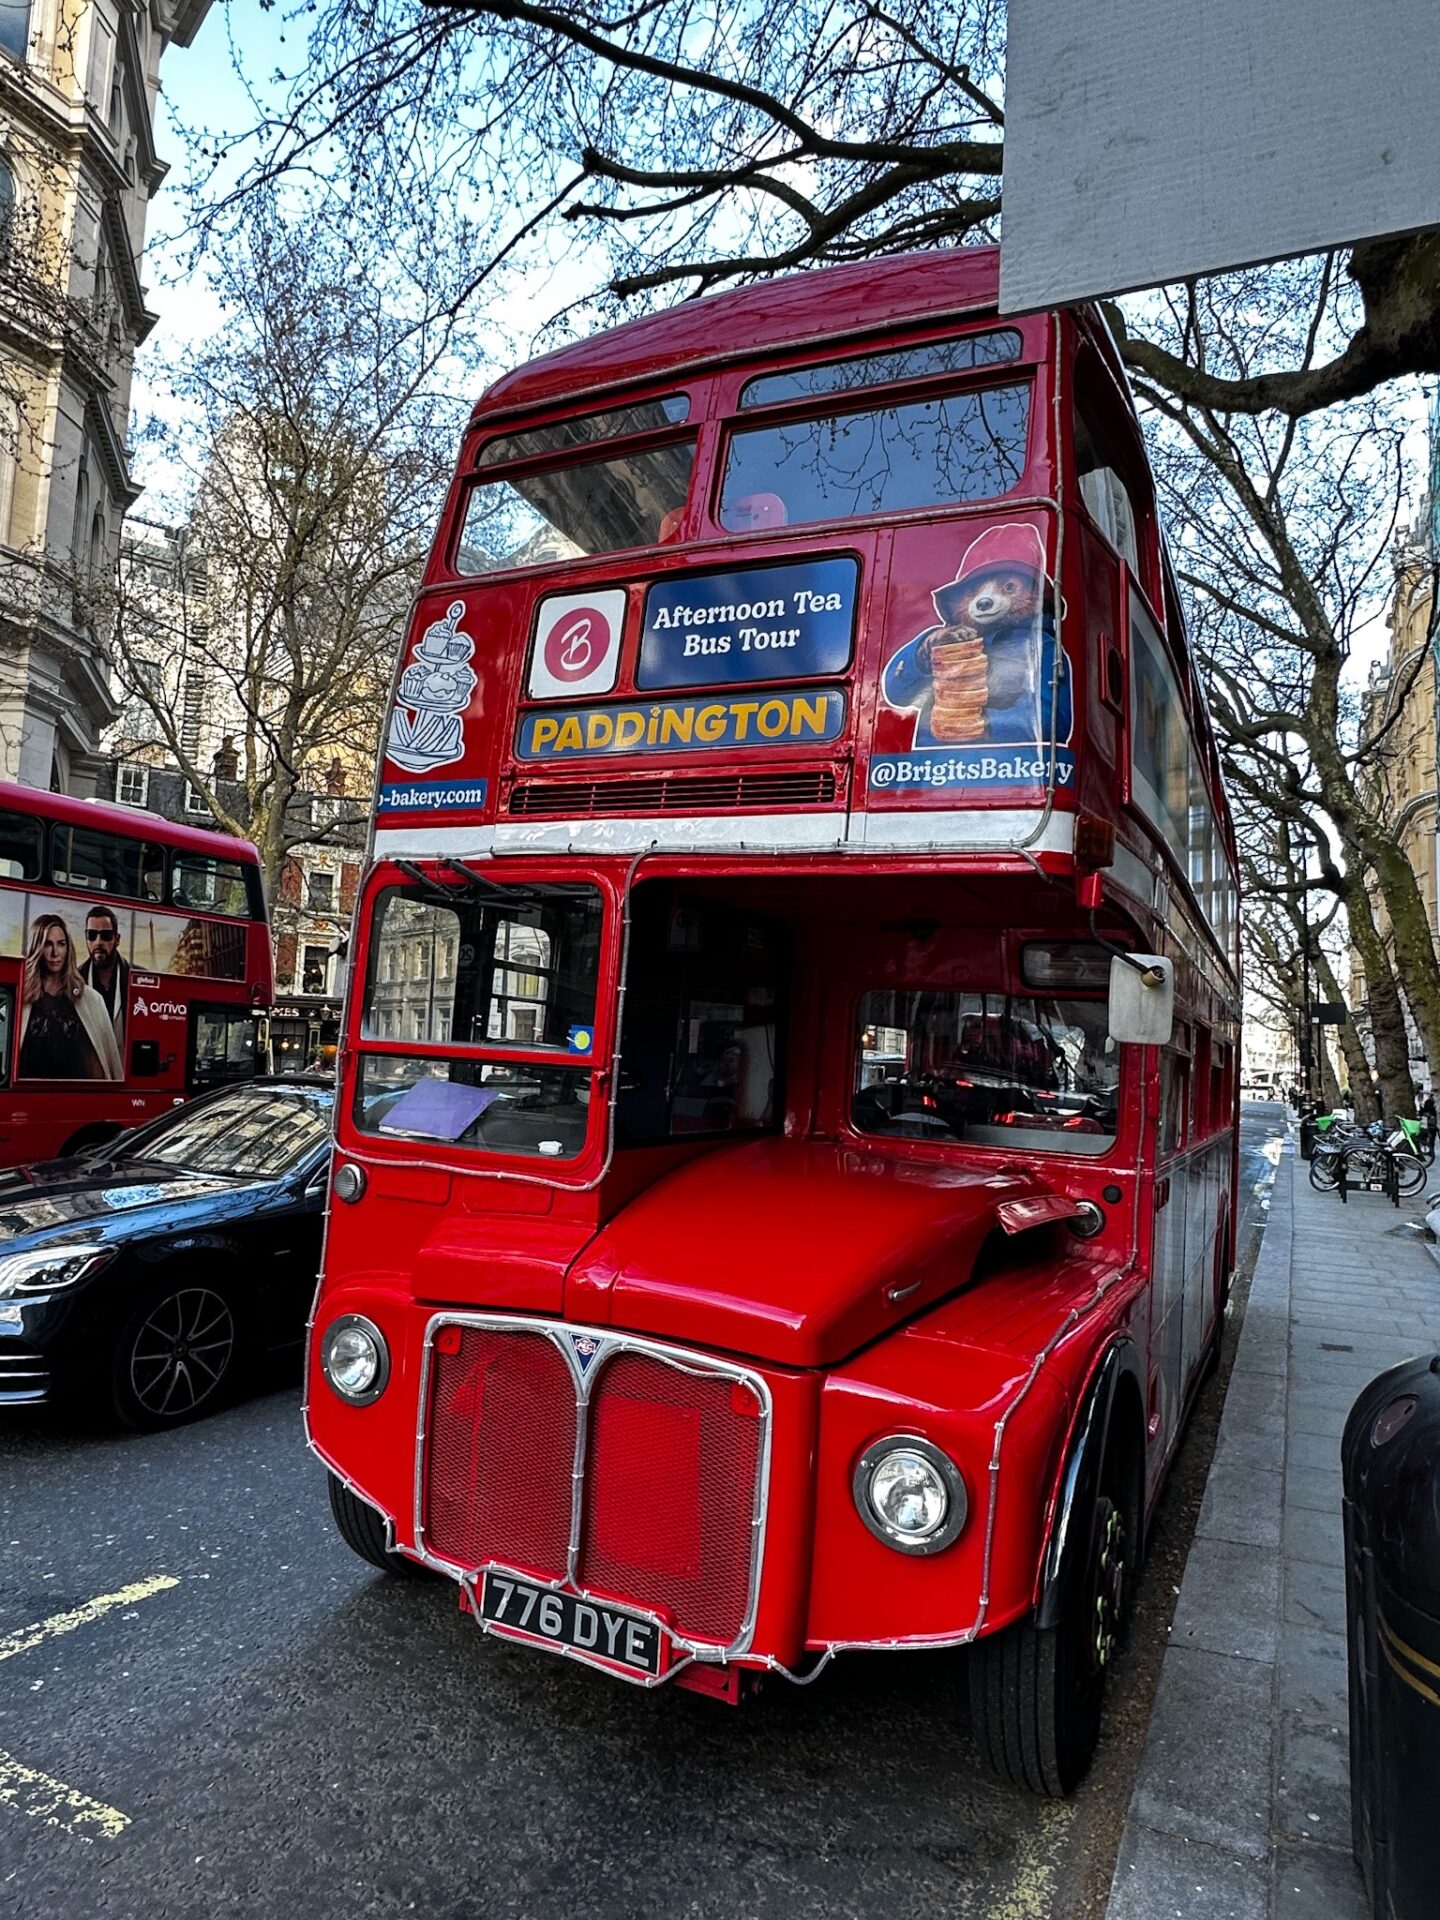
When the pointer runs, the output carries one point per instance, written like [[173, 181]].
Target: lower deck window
[[989, 1068], [493, 1105]]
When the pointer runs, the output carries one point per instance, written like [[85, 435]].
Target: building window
[[194, 800], [102, 55], [314, 964], [192, 710], [7, 178], [320, 892], [132, 786], [15, 27]]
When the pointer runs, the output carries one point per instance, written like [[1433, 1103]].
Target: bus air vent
[[674, 793]]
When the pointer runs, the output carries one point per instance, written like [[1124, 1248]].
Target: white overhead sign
[[1150, 140]]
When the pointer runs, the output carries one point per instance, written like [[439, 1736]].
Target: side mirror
[[1142, 999]]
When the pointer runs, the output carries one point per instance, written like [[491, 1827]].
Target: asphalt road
[[209, 1707]]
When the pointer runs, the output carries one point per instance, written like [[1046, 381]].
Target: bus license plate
[[564, 1620]]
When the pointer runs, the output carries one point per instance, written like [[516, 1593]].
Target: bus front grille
[[500, 1451], [672, 1462]]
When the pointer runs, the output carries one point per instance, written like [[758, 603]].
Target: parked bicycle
[[1367, 1154]]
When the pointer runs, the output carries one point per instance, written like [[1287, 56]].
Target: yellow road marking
[[40, 1797], [58, 1623], [1030, 1893]]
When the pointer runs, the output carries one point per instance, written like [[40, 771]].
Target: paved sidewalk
[[1241, 1810]]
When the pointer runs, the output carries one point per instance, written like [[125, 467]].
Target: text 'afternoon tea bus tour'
[[786, 1151], [134, 953]]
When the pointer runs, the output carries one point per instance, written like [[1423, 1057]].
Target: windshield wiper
[[431, 883]]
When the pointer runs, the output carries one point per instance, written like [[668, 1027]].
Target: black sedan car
[[138, 1279]]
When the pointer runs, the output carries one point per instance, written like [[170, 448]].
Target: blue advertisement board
[[791, 622], [426, 795], [683, 726]]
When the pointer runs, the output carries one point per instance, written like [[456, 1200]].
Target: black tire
[[1410, 1173], [1036, 1693], [1323, 1176], [363, 1530], [93, 1136], [176, 1356]]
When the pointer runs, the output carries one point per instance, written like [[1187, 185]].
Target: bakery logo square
[[577, 644]]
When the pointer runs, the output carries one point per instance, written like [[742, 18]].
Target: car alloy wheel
[[180, 1353]]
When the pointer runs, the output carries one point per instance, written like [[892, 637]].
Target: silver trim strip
[[947, 830], [608, 1344]]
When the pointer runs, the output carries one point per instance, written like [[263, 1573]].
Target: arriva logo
[[166, 1009]]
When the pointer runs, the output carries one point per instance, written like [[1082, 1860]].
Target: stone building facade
[[78, 167], [1398, 714]]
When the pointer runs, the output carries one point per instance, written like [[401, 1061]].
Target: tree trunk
[[1387, 1018], [1357, 1067], [1415, 963]]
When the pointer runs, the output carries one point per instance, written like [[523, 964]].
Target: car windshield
[[987, 1068], [254, 1133]]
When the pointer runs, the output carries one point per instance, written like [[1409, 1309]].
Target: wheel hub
[[1109, 1581], [181, 1352]]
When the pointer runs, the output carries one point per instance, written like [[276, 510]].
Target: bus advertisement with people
[[785, 1174], [133, 955]]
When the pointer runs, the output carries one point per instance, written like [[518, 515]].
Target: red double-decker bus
[[786, 1151], [133, 956]]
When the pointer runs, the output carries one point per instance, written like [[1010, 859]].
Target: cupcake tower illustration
[[426, 728]]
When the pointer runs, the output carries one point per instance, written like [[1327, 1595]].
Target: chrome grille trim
[[608, 1344]]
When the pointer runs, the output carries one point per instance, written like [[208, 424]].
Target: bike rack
[[1390, 1175]]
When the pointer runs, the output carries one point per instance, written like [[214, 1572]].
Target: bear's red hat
[[1015, 544]]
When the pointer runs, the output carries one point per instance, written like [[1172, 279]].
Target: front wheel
[[1036, 1692], [364, 1531], [175, 1358], [1323, 1176]]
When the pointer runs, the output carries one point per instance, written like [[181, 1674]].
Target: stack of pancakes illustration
[[958, 669]]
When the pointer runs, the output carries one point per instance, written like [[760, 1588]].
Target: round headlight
[[348, 1181], [910, 1494], [355, 1359]]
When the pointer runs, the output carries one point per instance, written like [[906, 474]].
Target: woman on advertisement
[[65, 1030]]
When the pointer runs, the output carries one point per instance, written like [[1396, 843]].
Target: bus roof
[[128, 820], [823, 303]]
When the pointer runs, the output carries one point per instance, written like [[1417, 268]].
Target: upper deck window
[[563, 513], [591, 502], [884, 369], [105, 862], [925, 453], [22, 846], [214, 886], [587, 430]]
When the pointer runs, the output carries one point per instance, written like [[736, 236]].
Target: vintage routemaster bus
[[785, 1177], [133, 954]]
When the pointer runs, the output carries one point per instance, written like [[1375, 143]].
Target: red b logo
[[576, 644]]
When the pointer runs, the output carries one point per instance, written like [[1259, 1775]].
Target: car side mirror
[[1142, 999]]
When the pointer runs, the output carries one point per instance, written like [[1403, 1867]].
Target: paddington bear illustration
[[985, 673]]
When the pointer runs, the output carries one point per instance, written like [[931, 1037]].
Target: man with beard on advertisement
[[65, 1032], [106, 970]]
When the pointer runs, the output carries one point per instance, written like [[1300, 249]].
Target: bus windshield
[[984, 1067], [487, 969]]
